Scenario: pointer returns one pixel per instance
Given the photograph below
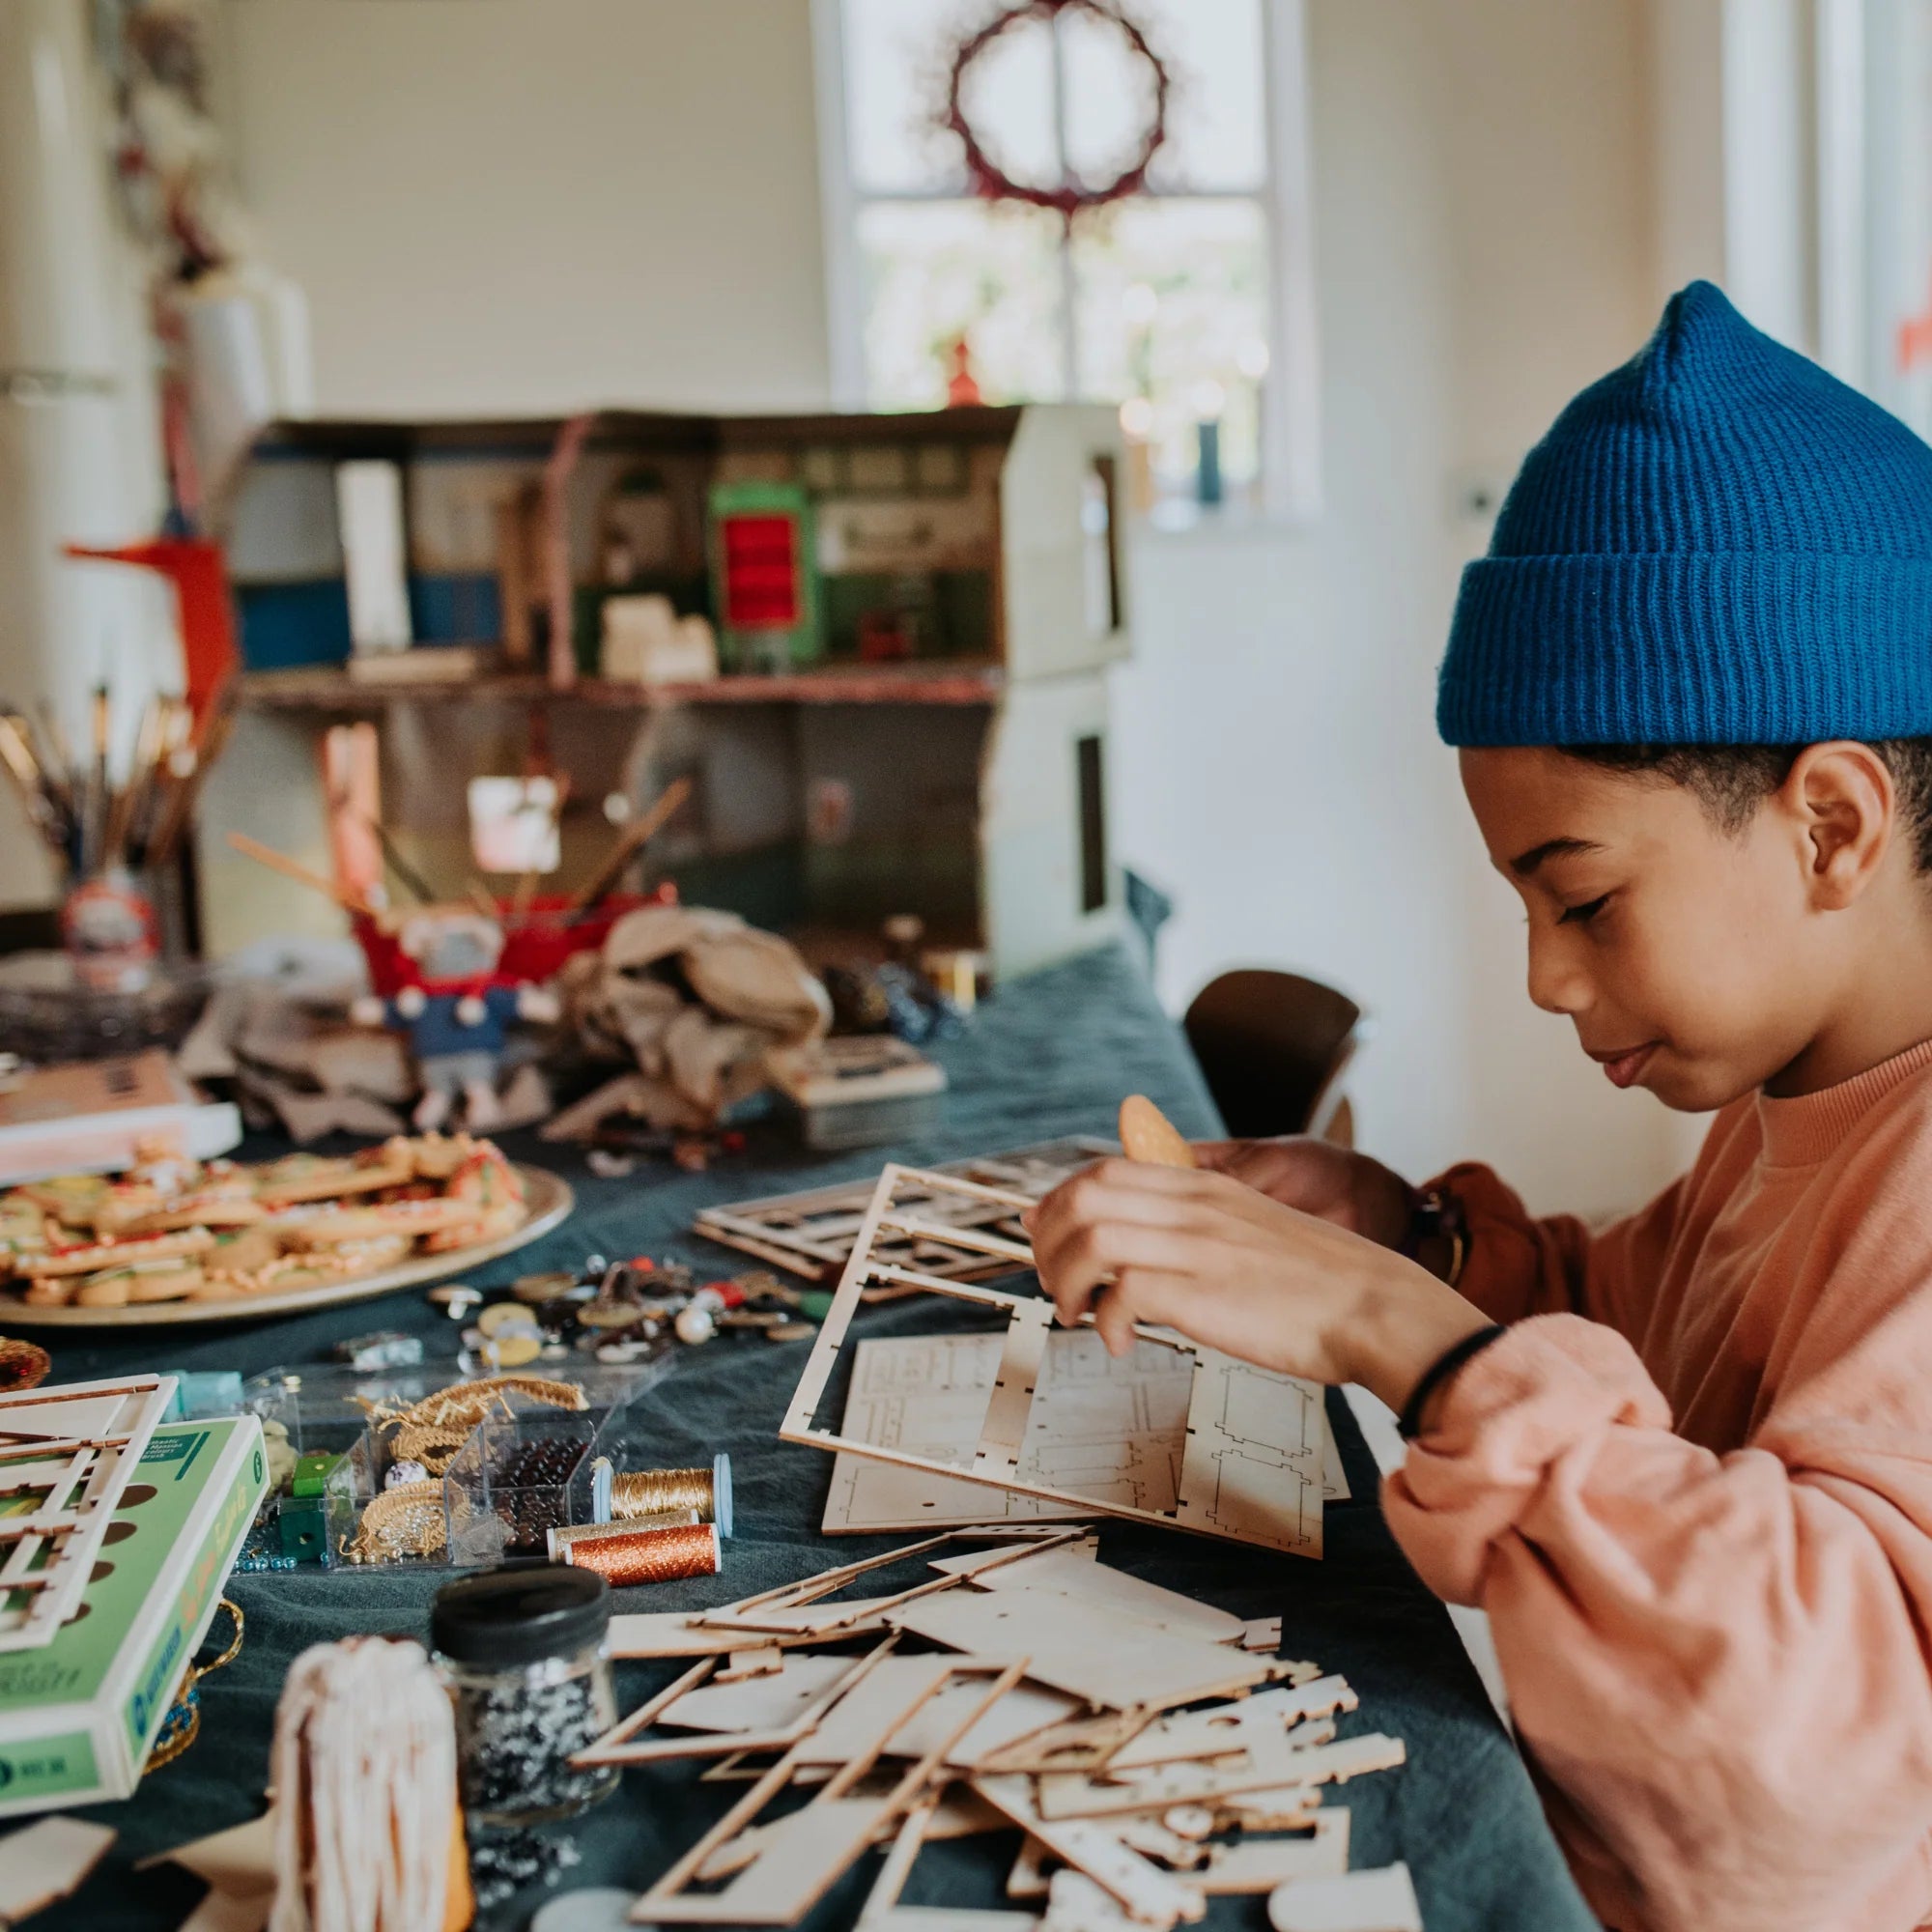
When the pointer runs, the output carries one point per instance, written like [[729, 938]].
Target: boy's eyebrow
[[1526, 862]]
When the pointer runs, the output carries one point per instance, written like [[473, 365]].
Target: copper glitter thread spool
[[623, 1556], [641, 1492], [576, 1532]]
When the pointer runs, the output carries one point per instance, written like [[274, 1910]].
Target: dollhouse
[[875, 645]]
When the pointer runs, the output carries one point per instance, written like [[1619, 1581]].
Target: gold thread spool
[[576, 1532], [643, 1492], [624, 1556]]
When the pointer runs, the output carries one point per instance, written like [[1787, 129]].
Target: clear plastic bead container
[[522, 1650]]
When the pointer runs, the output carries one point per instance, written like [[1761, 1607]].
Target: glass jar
[[522, 1650]]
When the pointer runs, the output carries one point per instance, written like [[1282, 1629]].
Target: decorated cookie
[[90, 1257]]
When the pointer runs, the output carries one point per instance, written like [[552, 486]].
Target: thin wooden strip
[[948, 1236], [1002, 1433]]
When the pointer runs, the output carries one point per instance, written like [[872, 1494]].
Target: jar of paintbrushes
[[115, 831]]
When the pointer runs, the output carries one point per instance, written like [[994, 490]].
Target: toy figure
[[458, 1015]]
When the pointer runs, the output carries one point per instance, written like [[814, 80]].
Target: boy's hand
[[1231, 1267], [1320, 1179]]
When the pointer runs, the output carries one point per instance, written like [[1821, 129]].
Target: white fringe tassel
[[364, 1773]]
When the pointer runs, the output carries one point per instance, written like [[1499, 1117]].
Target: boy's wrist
[[1405, 1321]]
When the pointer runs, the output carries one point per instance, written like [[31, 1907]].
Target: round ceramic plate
[[548, 1195]]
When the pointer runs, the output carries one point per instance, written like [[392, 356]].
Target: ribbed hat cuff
[[1719, 648]]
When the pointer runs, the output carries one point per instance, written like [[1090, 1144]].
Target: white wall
[[84, 466], [525, 206], [512, 205], [1482, 240]]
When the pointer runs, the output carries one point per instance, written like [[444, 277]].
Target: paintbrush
[[294, 868], [94, 834], [180, 800], [121, 810]]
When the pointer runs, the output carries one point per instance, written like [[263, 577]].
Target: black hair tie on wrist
[[1409, 1423]]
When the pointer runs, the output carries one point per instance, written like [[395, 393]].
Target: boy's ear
[[1845, 807]]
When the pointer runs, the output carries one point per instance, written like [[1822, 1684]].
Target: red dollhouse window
[[761, 574]]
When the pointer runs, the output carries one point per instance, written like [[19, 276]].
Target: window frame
[[1290, 430]]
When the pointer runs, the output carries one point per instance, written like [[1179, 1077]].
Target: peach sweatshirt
[[1692, 1488]]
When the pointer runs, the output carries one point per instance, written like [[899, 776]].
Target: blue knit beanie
[[1718, 543]]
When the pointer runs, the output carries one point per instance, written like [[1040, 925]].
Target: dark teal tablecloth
[[1052, 1054]]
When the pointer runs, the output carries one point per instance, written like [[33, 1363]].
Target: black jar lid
[[520, 1614]]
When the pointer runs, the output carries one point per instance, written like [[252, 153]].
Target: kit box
[[78, 1716]]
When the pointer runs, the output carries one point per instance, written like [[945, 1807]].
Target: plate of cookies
[[174, 1240]]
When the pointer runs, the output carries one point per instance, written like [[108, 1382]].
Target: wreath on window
[[1073, 195]]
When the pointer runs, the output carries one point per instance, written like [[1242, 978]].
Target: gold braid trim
[[431, 1432], [404, 1522]]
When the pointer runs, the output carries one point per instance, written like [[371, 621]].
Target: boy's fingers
[[1114, 1191], [1087, 1254], [1216, 1154], [1114, 1318]]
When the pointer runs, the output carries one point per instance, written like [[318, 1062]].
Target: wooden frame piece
[[49, 1861], [1078, 1573], [786, 1618], [882, 1911], [620, 1743], [1259, 1864], [1085, 1743], [1154, 1898], [800, 1856], [1252, 1471], [1103, 1656], [1021, 1540], [810, 1233], [75, 1447], [1227, 1728], [1277, 1764], [1380, 1899]]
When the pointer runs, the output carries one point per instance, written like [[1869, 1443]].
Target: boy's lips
[[1622, 1066]]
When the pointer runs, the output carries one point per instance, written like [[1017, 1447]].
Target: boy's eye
[[1583, 915]]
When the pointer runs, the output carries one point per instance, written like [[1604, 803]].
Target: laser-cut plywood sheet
[[812, 1230], [1114, 1427], [1253, 1447], [65, 1456]]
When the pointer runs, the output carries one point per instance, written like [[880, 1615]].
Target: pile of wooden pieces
[[171, 1229], [1153, 1751]]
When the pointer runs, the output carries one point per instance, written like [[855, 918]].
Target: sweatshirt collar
[[1800, 1132]]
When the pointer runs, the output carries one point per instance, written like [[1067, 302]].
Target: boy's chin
[[1696, 1089]]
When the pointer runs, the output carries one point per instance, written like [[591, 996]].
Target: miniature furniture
[[914, 614], [1273, 1048]]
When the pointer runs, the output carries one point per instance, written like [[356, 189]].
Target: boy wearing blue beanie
[[1685, 1462]]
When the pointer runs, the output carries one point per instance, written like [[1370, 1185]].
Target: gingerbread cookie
[[90, 1257], [151, 1281]]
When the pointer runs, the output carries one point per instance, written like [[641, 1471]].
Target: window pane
[[938, 270], [1008, 100], [1217, 121], [1109, 97], [895, 85], [1899, 202], [1171, 307]]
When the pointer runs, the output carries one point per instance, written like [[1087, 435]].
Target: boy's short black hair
[[1732, 781]]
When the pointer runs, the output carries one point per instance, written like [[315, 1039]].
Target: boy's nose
[[1556, 983]]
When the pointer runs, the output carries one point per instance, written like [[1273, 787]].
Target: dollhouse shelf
[[335, 691]]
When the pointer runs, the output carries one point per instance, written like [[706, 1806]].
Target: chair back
[[1273, 1047]]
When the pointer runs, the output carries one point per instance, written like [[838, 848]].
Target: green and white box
[[78, 1716]]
